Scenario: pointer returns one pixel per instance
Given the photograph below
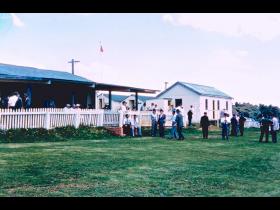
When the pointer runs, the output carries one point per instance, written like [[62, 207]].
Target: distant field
[[142, 167]]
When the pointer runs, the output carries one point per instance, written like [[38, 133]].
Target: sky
[[238, 54]]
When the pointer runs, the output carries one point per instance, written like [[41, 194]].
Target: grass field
[[142, 167]]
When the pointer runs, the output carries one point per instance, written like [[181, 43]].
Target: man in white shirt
[[12, 100], [123, 107], [135, 126], [275, 128], [127, 125]]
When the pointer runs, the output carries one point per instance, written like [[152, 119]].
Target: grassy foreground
[[142, 167]]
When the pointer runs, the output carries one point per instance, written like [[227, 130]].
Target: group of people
[[15, 101], [269, 124], [158, 123], [131, 126], [68, 107], [237, 125]]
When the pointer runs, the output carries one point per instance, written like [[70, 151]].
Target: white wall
[[210, 106], [188, 98], [105, 100], [198, 102]]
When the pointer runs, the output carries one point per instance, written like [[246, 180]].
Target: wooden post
[[47, 121], [136, 100], [110, 99], [121, 119], [77, 120]]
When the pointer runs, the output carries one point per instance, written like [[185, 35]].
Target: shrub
[[57, 134]]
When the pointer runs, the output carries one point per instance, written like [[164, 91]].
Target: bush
[[57, 134]]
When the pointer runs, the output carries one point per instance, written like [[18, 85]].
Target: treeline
[[254, 111]]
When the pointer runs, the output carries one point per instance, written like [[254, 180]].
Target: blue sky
[[236, 53]]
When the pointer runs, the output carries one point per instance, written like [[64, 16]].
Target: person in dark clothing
[[242, 120], [18, 103], [161, 123], [234, 123], [264, 126], [27, 101], [180, 124], [190, 114], [204, 124]]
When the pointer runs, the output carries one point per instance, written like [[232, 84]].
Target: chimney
[[165, 85]]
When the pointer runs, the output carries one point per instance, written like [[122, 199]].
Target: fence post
[[120, 119], [47, 121], [77, 119], [100, 118]]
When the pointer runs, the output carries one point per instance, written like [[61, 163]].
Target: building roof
[[117, 98], [200, 90], [144, 98], [121, 88], [13, 72], [120, 98]]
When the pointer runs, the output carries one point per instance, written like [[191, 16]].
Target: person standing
[[190, 114], [274, 128], [12, 100], [174, 125], [265, 123], [233, 121], [161, 123], [154, 120], [19, 103], [242, 120], [123, 106], [180, 124], [225, 126], [27, 101], [204, 124]]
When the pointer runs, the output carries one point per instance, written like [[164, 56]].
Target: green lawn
[[142, 167]]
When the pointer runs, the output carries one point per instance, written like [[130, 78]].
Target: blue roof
[[144, 98], [8, 71], [201, 90], [120, 98], [117, 98]]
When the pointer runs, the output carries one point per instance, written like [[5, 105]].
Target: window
[[213, 104], [226, 105], [206, 104], [178, 102], [218, 104]]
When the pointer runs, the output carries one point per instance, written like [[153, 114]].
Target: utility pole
[[165, 85], [73, 62]]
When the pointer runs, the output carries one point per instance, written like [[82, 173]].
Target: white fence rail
[[52, 118]]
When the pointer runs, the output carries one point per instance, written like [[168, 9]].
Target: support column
[[136, 100], [93, 99], [110, 99]]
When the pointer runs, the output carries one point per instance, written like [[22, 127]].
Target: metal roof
[[13, 72], [120, 98], [117, 98], [200, 90]]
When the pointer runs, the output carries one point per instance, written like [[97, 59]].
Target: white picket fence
[[49, 118]]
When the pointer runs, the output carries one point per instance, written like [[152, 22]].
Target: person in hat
[[161, 123], [264, 126], [190, 115], [204, 124]]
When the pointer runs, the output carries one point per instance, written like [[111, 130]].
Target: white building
[[103, 100], [202, 98]]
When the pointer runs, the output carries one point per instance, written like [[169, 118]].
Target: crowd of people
[[15, 101], [233, 126]]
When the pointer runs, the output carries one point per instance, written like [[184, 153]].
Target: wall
[[188, 98], [210, 106]]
